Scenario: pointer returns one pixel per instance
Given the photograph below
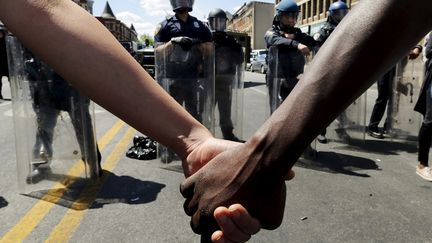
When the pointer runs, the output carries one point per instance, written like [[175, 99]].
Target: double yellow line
[[67, 226]]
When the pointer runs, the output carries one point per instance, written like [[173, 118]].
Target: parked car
[[258, 62], [147, 60]]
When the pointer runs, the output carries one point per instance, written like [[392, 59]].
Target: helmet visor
[[338, 15], [292, 15], [182, 4], [217, 24]]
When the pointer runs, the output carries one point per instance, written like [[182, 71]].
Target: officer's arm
[[162, 40], [320, 37], [306, 40], [206, 35], [272, 39], [237, 50]]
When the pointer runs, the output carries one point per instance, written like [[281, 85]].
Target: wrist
[[270, 152], [197, 136]]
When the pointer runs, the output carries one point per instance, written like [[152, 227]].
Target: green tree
[[144, 37]]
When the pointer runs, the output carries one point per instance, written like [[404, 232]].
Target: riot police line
[[202, 69], [287, 60]]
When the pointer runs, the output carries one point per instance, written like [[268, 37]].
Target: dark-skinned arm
[[358, 52]]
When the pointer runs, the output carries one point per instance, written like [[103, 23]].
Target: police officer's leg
[[192, 100], [176, 91], [384, 86], [42, 150], [269, 82], [425, 133], [223, 93], [46, 122], [388, 121], [84, 132], [286, 86], [425, 140], [322, 136]]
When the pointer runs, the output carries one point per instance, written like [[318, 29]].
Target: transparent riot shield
[[229, 68], [284, 70], [54, 130], [405, 122], [188, 76], [350, 126]]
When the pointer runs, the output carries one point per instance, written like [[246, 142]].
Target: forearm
[[82, 51], [358, 51]]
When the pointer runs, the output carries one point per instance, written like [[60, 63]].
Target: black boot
[[230, 136]]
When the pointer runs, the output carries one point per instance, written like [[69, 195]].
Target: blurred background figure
[[424, 106], [385, 84]]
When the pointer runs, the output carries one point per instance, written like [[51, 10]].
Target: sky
[[146, 14]]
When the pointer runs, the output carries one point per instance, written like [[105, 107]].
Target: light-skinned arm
[[85, 53]]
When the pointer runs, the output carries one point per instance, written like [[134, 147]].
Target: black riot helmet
[[182, 4], [337, 11], [217, 19]]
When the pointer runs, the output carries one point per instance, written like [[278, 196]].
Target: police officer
[[184, 63], [424, 106], [51, 94], [183, 30], [292, 45], [385, 84], [336, 13], [229, 55]]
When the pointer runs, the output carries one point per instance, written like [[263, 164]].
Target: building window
[[303, 11], [322, 10], [328, 2], [314, 8]]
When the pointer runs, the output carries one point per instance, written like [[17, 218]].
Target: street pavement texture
[[363, 193]]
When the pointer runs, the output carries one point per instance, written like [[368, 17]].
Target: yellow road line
[[32, 218], [70, 222]]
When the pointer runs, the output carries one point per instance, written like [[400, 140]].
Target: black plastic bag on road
[[144, 148]]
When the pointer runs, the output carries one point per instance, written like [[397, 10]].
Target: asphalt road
[[368, 192]]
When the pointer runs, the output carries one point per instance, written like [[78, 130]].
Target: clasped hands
[[231, 191]]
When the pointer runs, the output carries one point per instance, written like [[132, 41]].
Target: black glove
[[186, 43]]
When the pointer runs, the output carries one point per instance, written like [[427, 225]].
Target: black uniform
[[229, 54], [323, 34], [424, 106], [384, 84], [174, 27], [289, 64], [183, 66]]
